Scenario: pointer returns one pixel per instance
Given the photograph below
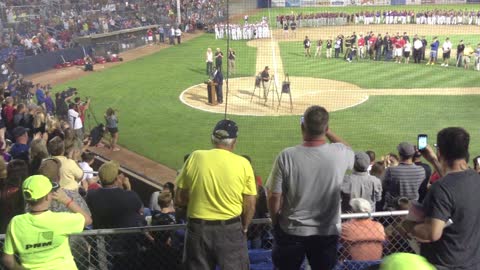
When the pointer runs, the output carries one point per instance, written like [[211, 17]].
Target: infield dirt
[[305, 91]]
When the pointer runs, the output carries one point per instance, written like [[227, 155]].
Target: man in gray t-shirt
[[304, 195], [360, 184]]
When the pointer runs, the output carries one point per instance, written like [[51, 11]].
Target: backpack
[[96, 134]]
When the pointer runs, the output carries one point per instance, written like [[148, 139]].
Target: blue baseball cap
[[225, 129]]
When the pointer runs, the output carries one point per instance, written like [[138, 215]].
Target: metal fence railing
[[161, 247]]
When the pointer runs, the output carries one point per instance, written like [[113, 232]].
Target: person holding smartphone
[[112, 127], [40, 237], [448, 233]]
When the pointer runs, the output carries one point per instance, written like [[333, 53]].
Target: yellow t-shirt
[[216, 180], [70, 173], [468, 51], [41, 241]]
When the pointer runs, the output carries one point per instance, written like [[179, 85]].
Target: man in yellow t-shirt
[[467, 54], [40, 237], [218, 187], [70, 171]]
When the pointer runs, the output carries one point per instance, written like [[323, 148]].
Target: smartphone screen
[[422, 141]]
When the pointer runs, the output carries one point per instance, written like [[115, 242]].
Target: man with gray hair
[[360, 184], [362, 237], [304, 195], [219, 189]]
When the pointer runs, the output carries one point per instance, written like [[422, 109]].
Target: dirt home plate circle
[[245, 99]]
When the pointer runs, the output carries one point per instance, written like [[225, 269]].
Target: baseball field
[[163, 113]]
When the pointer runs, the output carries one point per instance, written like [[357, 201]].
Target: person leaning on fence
[[114, 207], [449, 230], [40, 237], [362, 238], [166, 242], [304, 195], [218, 187]]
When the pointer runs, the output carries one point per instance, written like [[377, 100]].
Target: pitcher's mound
[[305, 91]]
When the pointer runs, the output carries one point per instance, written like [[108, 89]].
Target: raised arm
[[334, 138]]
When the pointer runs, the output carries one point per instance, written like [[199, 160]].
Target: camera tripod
[[91, 114], [272, 88], [258, 85]]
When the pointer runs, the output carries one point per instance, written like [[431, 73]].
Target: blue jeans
[[289, 251]]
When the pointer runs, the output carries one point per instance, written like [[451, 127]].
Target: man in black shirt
[[231, 61], [218, 79], [425, 43], [265, 78], [449, 232], [114, 207], [306, 46], [293, 27], [460, 49], [218, 59], [422, 191]]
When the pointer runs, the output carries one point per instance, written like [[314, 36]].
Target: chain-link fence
[[365, 240]]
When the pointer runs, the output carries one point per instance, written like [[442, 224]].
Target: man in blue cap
[[218, 187]]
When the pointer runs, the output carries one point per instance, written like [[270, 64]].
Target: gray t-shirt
[[310, 180], [400, 181], [362, 185]]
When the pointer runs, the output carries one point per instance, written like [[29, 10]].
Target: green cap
[[405, 261], [36, 187]]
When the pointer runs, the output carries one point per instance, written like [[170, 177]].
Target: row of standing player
[[242, 32], [396, 48]]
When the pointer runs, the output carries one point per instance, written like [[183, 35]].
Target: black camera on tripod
[[23, 89], [71, 91]]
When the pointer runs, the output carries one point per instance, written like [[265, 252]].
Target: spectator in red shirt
[[82, 107], [361, 46], [398, 43], [371, 45], [8, 113]]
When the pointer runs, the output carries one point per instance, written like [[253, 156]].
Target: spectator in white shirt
[[178, 35], [90, 180], [75, 121], [417, 49], [447, 48]]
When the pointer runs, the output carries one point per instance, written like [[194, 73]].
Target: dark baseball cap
[[225, 129]]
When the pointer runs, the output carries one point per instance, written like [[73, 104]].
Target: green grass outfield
[[154, 123], [272, 13]]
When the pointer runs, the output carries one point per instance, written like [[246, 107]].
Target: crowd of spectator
[[38, 28], [46, 171]]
